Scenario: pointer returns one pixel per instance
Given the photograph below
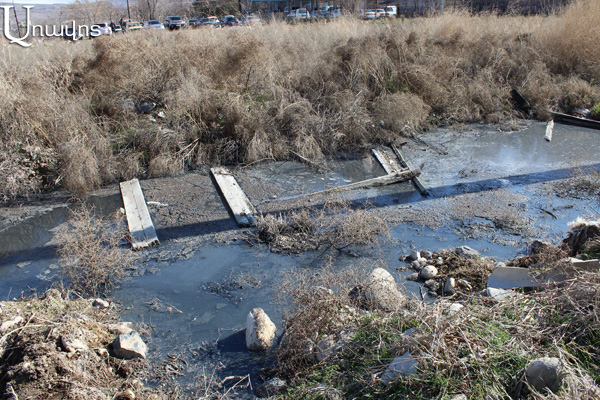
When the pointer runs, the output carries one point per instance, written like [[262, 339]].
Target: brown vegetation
[[230, 96]]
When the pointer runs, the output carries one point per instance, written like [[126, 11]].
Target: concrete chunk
[[405, 364], [511, 278]]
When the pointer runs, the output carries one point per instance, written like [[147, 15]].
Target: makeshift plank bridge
[[139, 222]]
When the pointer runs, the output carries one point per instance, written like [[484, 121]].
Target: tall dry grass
[[240, 95]]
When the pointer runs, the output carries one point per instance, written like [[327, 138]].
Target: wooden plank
[[574, 120], [374, 182], [139, 221], [240, 206], [549, 130], [416, 180], [388, 161]]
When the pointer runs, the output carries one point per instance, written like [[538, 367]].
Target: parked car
[[368, 14], [193, 23], [133, 26], [99, 29], [210, 21], [300, 14], [230, 20], [117, 29], [71, 34], [154, 24], [252, 20], [174, 22], [380, 13], [391, 11]]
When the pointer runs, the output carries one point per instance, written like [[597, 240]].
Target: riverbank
[[79, 115]]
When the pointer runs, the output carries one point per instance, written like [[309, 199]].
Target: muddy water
[[490, 190]]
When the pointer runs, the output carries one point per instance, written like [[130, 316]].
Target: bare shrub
[[165, 165], [92, 259], [79, 168], [334, 226], [400, 109]]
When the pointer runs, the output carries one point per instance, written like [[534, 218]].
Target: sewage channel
[[490, 190]]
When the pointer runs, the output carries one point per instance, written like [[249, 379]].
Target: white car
[[154, 24], [101, 28], [301, 14], [380, 13], [368, 14]]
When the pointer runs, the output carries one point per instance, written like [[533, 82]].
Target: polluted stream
[[493, 191]]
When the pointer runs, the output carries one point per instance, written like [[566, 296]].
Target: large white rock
[[545, 373], [129, 346], [382, 292], [260, 330], [428, 272], [449, 286]]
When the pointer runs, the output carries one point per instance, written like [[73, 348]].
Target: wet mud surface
[[491, 190]]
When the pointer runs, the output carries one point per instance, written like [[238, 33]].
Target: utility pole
[[128, 13], [17, 19]]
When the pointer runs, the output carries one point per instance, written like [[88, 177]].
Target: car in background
[[380, 13], [71, 34], [99, 29], [252, 20], [117, 29], [230, 20], [174, 22], [368, 14], [133, 26], [298, 15], [193, 22], [210, 21], [154, 24], [391, 11]]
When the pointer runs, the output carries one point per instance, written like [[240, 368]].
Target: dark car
[[194, 23], [71, 34], [230, 20]]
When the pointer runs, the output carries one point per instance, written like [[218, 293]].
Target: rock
[[260, 330], [538, 246], [499, 265], [126, 394], [124, 328], [449, 286], [422, 262], [416, 265], [11, 323], [499, 294], [413, 277], [414, 255], [459, 397], [330, 345], [73, 344], [100, 303], [454, 308], [129, 346], [426, 254], [432, 285], [382, 291], [161, 115], [406, 364], [272, 387], [545, 374], [467, 252], [428, 272], [439, 261]]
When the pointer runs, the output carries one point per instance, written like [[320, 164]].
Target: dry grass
[[92, 259], [242, 95]]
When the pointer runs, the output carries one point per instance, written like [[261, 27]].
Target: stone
[[414, 255], [439, 261], [450, 286], [454, 308], [100, 303], [413, 277], [538, 246], [432, 285], [73, 344], [11, 323], [467, 252], [416, 265], [459, 397], [511, 278], [499, 294], [499, 265], [124, 328], [382, 291], [426, 254], [545, 374], [129, 346], [422, 262], [272, 387], [406, 364], [428, 272], [260, 330]]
